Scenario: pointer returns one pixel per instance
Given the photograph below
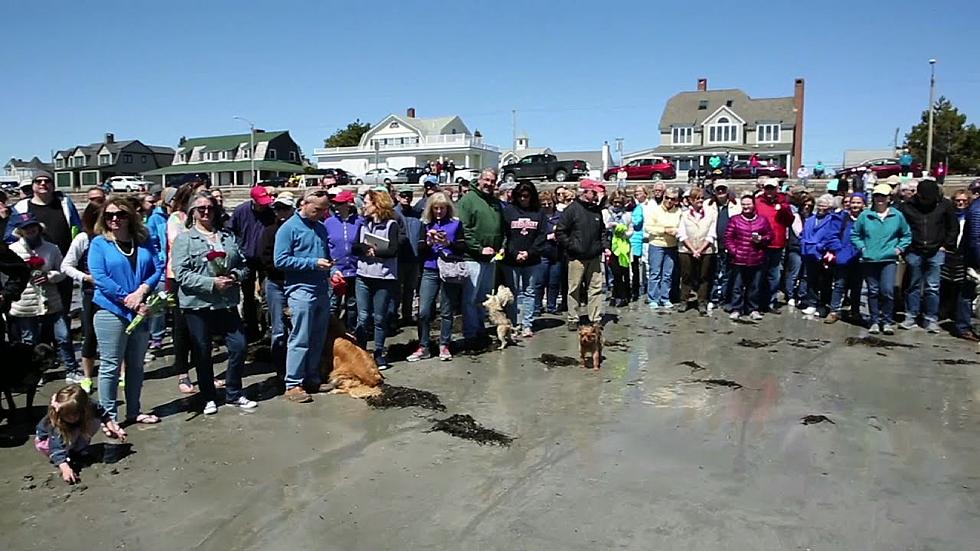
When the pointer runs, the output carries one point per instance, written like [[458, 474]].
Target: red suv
[[646, 168]]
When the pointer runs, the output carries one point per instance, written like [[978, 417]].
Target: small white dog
[[974, 276], [496, 305]]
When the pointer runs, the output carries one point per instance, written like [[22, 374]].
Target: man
[[803, 176], [96, 196], [483, 232], [302, 252], [451, 169], [328, 181], [970, 246], [714, 162], [430, 186], [248, 222], [726, 207], [505, 191], [935, 230], [659, 189], [409, 267], [580, 231], [775, 208], [818, 170], [905, 163]]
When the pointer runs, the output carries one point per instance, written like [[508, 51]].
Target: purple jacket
[[738, 240], [248, 225], [430, 252], [342, 234]]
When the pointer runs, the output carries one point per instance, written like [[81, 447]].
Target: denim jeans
[[880, 278], [203, 324], [923, 286], [344, 306], [475, 290], [116, 347], [158, 323], [550, 281], [847, 281], [774, 272], [32, 328], [661, 278], [721, 290], [449, 301], [310, 315], [747, 289], [523, 281], [374, 297], [795, 282], [967, 292], [275, 300]]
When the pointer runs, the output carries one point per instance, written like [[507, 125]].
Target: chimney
[[410, 113], [798, 129], [702, 85], [110, 138]]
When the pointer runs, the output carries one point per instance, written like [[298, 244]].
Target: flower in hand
[[217, 261]]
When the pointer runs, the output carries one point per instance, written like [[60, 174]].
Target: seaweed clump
[[464, 426], [551, 360], [403, 397]]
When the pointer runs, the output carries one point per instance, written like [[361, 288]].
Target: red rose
[[35, 262], [214, 255]]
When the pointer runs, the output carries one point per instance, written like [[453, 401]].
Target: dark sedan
[[408, 175], [882, 168]]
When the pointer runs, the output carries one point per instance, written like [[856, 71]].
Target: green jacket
[[483, 223], [877, 239], [195, 277]]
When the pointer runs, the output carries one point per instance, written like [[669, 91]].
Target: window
[[702, 105], [292, 155], [143, 159], [59, 163], [682, 136], [127, 158], [246, 153], [105, 159], [272, 154], [182, 157], [723, 131], [394, 125], [765, 133], [79, 160]]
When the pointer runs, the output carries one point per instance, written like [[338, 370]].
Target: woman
[[525, 231], [176, 225], [847, 269], [635, 234], [75, 266], [551, 260], [953, 277], [660, 228], [618, 222], [209, 271], [342, 230], [747, 238], [820, 243], [696, 235], [443, 241], [376, 249], [881, 235], [794, 275], [125, 268]]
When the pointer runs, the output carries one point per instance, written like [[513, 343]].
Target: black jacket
[[933, 226], [524, 231], [16, 275], [581, 232], [267, 246]]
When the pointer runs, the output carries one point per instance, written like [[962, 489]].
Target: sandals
[[145, 419], [185, 385]]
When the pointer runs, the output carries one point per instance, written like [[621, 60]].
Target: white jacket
[[39, 300], [78, 248]]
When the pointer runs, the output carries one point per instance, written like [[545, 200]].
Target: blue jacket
[[248, 225], [847, 254], [820, 236], [156, 223], [299, 244], [878, 238], [342, 234], [636, 238], [115, 279], [58, 448], [195, 276], [970, 242]]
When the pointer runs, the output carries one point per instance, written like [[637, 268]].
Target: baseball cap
[[168, 195], [261, 196], [344, 197], [21, 221], [592, 185], [975, 186], [334, 190], [882, 189], [285, 198]]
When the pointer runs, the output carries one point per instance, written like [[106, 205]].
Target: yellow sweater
[[656, 221]]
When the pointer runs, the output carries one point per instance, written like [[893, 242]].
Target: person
[[953, 278], [68, 427], [125, 268], [618, 221], [935, 230], [75, 266], [715, 163], [451, 169], [970, 245], [940, 173], [376, 250], [184, 354], [794, 273], [725, 206], [480, 214], [659, 189], [443, 242], [775, 208], [580, 233], [747, 238], [638, 271], [16, 276], [95, 195], [818, 170], [803, 176], [429, 188], [868, 180], [696, 238], [881, 235], [525, 234], [275, 286], [846, 267], [209, 269], [905, 163], [342, 231], [155, 219], [754, 165], [820, 244], [660, 229], [248, 222], [552, 260], [39, 309], [402, 299]]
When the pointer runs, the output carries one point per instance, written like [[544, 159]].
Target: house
[[89, 165], [19, 170], [696, 125], [598, 160], [522, 148], [403, 141], [230, 160]]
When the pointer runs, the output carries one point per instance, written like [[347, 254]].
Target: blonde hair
[[136, 227], [71, 401], [433, 201]]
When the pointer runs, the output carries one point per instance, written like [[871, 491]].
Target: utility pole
[[895, 141], [513, 129], [619, 149], [932, 94], [251, 145], [377, 148]]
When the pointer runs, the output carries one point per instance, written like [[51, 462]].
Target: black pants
[[636, 279], [204, 324], [408, 285], [250, 308], [89, 344], [621, 280], [183, 351], [696, 276]]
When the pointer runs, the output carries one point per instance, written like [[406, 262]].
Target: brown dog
[[348, 367], [590, 344]]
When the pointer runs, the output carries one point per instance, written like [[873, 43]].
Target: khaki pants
[[585, 276]]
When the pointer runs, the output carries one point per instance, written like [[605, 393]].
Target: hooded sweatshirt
[[480, 215], [932, 219], [525, 231], [877, 238], [779, 214]]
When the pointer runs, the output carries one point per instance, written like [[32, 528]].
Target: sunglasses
[[204, 208], [116, 214], [42, 180]]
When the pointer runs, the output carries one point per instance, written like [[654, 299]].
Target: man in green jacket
[[483, 231]]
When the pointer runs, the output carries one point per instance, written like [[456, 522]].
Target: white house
[[19, 170], [404, 141]]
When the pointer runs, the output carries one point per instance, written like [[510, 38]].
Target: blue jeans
[[158, 323], [774, 272], [32, 328], [374, 298], [550, 280], [964, 307], [661, 278], [203, 325], [793, 267], [747, 290], [880, 278], [522, 280], [475, 291], [449, 301], [115, 347], [923, 285], [275, 303], [310, 315], [723, 277], [344, 306], [847, 281]]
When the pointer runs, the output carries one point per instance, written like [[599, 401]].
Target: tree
[[953, 141], [348, 137]]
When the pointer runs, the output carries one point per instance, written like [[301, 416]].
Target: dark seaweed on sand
[[875, 342], [719, 382], [814, 419], [464, 426], [748, 343], [695, 366], [551, 360], [403, 397], [958, 361]]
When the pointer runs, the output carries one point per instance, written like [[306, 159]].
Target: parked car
[[342, 176], [9, 187], [544, 167], [465, 175], [882, 168], [741, 170], [408, 175], [376, 176], [647, 168], [128, 184]]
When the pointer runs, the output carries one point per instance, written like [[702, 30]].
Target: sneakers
[[86, 384], [932, 327], [444, 353], [122, 383], [653, 305], [711, 306], [420, 354], [210, 408], [755, 316], [75, 379], [908, 324], [809, 311], [702, 309], [297, 395], [791, 303], [734, 315], [888, 329], [383, 362], [527, 333], [873, 330], [243, 403], [831, 318], [667, 304], [571, 325]]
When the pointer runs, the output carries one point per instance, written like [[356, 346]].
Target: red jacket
[[738, 240], [779, 215]]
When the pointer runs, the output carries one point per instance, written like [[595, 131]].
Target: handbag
[[452, 271]]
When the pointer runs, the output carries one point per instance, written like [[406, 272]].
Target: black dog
[[24, 367]]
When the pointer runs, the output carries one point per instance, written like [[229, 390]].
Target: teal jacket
[[195, 277], [877, 239]]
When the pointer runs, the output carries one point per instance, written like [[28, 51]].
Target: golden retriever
[[348, 367]]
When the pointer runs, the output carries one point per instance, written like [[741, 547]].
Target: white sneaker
[[210, 408], [791, 303], [755, 316], [809, 311], [733, 316], [874, 330], [244, 403], [711, 306]]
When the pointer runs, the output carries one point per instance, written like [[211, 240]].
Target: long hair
[[384, 208], [182, 196], [71, 401], [525, 186], [90, 217], [136, 226], [189, 208], [433, 201]]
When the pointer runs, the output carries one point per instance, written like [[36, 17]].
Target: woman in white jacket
[[40, 305], [75, 266]]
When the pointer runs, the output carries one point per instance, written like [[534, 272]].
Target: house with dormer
[[19, 171], [698, 124], [407, 141], [84, 166]]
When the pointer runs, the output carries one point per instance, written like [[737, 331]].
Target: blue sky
[[578, 73]]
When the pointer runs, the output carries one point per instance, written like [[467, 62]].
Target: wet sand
[[651, 452]]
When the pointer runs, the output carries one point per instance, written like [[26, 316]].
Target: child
[[71, 422]]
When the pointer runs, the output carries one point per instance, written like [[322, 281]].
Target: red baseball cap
[[261, 196], [593, 185], [344, 197]]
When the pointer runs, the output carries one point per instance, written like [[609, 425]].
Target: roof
[[33, 163], [226, 166], [114, 147], [682, 109], [431, 126], [231, 141]]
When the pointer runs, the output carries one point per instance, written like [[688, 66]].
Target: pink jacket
[[738, 239]]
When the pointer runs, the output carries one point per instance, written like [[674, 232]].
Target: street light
[[932, 93], [251, 145]]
